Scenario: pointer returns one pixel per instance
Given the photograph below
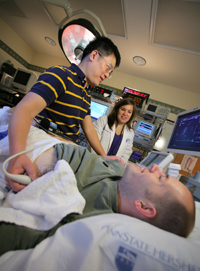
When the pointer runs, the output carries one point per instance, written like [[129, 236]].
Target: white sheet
[[107, 242]]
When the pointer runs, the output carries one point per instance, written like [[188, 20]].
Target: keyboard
[[141, 147], [134, 161]]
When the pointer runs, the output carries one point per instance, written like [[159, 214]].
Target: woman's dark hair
[[113, 115], [105, 46]]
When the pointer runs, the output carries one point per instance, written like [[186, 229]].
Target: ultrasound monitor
[[185, 136], [145, 128], [99, 108]]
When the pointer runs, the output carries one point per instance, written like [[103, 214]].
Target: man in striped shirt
[[60, 95]]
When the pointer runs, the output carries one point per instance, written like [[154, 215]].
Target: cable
[[46, 125], [23, 179]]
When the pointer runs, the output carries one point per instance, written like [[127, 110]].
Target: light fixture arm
[[65, 4], [68, 9]]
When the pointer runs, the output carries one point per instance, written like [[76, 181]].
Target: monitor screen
[[142, 95], [185, 136], [145, 128], [23, 80], [22, 77], [99, 108], [152, 107]]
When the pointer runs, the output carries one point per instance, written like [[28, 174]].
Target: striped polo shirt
[[67, 101]]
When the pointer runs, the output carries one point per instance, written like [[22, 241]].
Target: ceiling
[[164, 32]]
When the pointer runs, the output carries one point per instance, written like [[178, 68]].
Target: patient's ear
[[146, 209]]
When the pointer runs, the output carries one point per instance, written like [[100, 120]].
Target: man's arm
[[18, 130], [92, 136], [93, 139]]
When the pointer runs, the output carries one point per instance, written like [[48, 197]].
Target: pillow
[[195, 234], [108, 242]]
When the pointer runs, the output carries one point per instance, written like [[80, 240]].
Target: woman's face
[[124, 113]]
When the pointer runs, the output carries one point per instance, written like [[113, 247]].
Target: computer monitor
[[135, 92], [23, 80], [185, 136], [99, 108], [145, 128]]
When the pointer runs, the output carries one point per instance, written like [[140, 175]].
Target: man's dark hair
[[105, 46], [113, 115], [172, 215]]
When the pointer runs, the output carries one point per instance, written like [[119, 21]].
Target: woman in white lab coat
[[115, 132]]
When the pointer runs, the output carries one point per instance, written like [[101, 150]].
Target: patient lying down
[[108, 187]]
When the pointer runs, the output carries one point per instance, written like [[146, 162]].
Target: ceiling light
[[139, 60], [50, 41]]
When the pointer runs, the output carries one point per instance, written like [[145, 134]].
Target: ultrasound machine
[[184, 139], [144, 134]]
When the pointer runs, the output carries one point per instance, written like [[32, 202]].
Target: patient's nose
[[155, 168]]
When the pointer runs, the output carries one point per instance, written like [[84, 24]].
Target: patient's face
[[139, 180]]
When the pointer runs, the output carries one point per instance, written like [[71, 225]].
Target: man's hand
[[20, 165], [115, 158]]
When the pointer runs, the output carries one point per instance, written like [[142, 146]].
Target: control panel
[[145, 142], [100, 93], [157, 110]]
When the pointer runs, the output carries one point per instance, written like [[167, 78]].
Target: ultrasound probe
[[22, 179]]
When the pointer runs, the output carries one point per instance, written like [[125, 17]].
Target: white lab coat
[[106, 136]]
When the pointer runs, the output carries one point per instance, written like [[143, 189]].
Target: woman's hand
[[115, 158]]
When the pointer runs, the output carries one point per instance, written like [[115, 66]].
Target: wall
[[13, 48], [48, 61], [9, 37], [20, 53], [164, 93]]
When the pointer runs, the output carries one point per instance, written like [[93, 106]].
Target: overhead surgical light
[[74, 35]]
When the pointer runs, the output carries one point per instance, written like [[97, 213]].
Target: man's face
[[155, 181], [100, 68]]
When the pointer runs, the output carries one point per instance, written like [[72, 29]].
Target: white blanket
[[108, 242], [44, 202], [5, 114]]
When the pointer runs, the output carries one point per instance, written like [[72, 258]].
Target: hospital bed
[[105, 242]]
